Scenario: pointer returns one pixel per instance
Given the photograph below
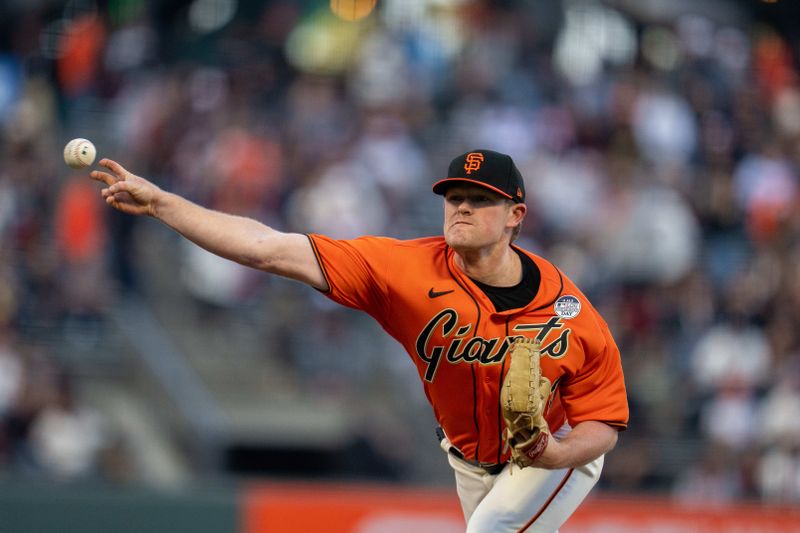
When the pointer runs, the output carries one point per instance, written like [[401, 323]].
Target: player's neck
[[498, 267]]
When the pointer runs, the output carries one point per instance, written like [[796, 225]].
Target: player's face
[[475, 217]]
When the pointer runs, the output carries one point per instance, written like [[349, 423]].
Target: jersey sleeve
[[597, 390], [355, 270]]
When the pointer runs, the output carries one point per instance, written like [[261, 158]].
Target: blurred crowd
[[660, 150]]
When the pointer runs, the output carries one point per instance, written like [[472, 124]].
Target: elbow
[[267, 264], [262, 254], [613, 437], [251, 259]]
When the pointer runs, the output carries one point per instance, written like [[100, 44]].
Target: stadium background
[[144, 384]]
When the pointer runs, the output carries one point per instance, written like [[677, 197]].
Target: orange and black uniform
[[459, 342]]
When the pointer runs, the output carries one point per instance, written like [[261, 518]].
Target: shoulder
[[371, 244], [574, 306], [567, 300], [422, 242]]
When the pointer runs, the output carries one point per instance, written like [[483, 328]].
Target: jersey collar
[[550, 288]]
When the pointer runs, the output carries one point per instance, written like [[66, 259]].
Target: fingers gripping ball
[[522, 400], [79, 153], [352, 10]]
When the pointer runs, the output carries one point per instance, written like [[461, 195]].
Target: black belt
[[490, 468]]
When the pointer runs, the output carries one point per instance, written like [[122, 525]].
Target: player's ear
[[517, 213]]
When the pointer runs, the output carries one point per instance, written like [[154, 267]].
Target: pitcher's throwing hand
[[126, 192]]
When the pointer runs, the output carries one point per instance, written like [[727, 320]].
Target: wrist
[[159, 203], [537, 448], [552, 457]]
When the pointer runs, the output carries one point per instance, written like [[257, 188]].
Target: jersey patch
[[567, 306]]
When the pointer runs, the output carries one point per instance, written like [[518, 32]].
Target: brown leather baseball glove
[[522, 400]]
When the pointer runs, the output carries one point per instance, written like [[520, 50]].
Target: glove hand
[[523, 398], [527, 446]]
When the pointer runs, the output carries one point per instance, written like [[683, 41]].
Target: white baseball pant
[[533, 500]]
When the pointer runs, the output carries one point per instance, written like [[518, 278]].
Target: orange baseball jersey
[[459, 343]]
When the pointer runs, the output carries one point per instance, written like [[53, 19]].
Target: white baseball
[[79, 153]]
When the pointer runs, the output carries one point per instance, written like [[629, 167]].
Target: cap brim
[[441, 186]]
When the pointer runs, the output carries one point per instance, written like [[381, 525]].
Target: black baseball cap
[[486, 168]]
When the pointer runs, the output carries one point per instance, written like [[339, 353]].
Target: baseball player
[[457, 303]]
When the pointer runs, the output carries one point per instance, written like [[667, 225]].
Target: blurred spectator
[[664, 127], [66, 438], [730, 417], [334, 203], [778, 413], [714, 480], [779, 473], [766, 188], [656, 237], [731, 353]]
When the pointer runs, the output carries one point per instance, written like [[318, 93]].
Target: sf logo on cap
[[474, 161]]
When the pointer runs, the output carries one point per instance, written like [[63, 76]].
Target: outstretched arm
[[237, 238]]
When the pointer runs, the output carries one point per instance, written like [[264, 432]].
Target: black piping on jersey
[[472, 367], [321, 264], [500, 422], [475, 411], [553, 388]]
